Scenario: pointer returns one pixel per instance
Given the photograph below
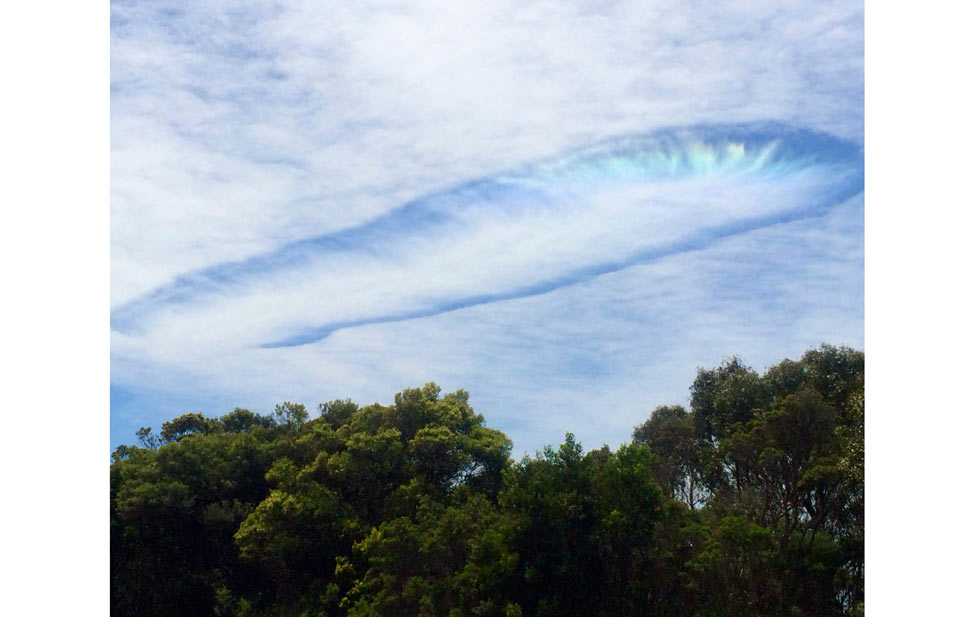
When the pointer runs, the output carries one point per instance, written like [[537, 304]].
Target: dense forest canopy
[[749, 503]]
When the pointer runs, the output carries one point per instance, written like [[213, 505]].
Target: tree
[[670, 435], [337, 412], [291, 415], [188, 424], [443, 559], [241, 420], [750, 504]]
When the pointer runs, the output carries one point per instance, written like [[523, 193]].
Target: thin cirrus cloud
[[319, 200]]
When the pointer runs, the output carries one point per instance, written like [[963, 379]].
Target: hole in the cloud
[[528, 231]]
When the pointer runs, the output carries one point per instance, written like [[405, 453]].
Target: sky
[[563, 208]]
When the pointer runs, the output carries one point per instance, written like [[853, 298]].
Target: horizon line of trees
[[750, 502]]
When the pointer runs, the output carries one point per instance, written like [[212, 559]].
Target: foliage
[[750, 503]]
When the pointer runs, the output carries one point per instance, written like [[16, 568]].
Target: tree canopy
[[750, 503]]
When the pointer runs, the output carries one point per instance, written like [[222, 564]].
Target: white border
[[922, 307], [54, 246]]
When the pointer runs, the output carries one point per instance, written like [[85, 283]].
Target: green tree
[[679, 457], [350, 471], [750, 504], [444, 559], [188, 424], [241, 420], [291, 414], [173, 514]]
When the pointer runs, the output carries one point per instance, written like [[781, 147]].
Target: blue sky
[[564, 208]]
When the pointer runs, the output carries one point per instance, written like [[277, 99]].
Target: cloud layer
[[297, 189]]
